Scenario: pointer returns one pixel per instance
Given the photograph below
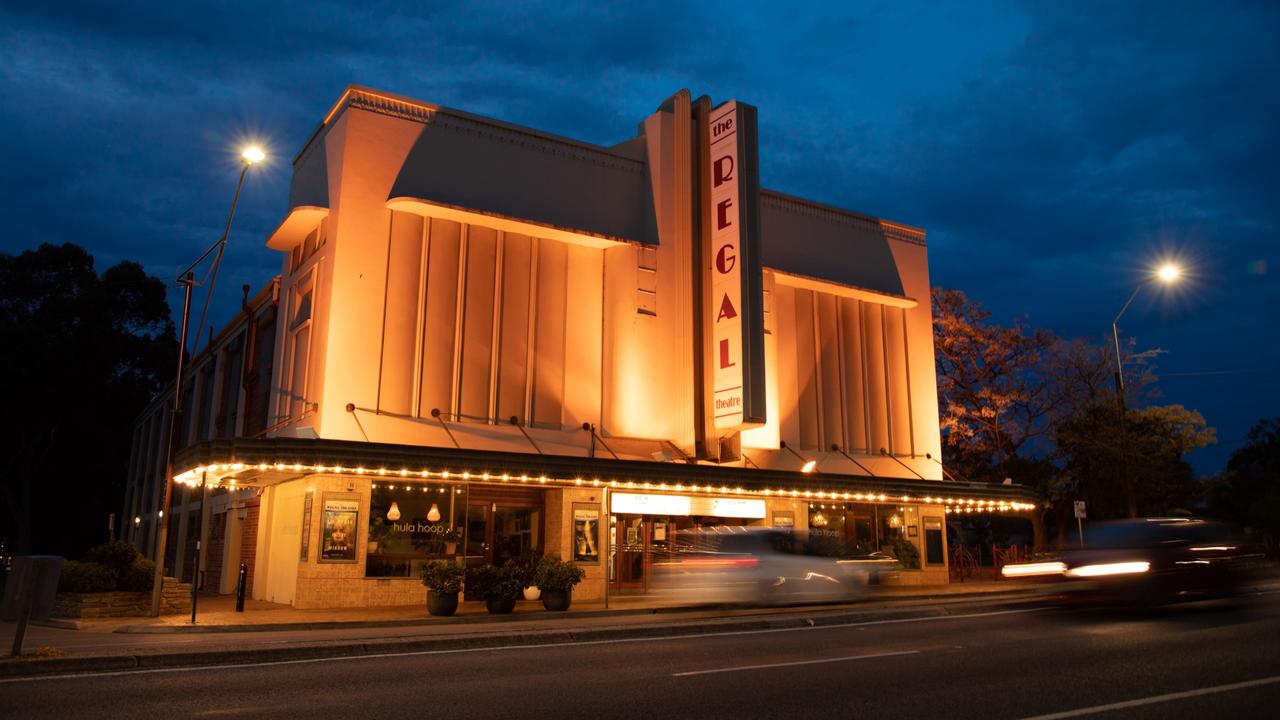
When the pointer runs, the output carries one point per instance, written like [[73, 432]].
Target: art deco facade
[[493, 341]]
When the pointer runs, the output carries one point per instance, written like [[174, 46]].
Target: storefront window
[[826, 530], [409, 525]]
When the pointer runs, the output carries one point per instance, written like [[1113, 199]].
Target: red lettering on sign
[[726, 310], [724, 355], [723, 170], [726, 259], [722, 214]]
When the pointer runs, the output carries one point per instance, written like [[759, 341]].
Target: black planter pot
[[499, 606], [557, 600], [442, 604]]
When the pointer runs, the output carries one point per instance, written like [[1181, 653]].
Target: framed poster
[[307, 500], [338, 523], [586, 533], [784, 519]]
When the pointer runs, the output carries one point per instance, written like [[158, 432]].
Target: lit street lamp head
[[253, 155], [1168, 273]]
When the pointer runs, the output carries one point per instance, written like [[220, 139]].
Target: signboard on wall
[[682, 505], [338, 530], [586, 532], [735, 319]]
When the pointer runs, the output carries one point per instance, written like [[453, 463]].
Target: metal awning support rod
[[945, 473], [519, 426], [865, 469], [435, 413], [895, 459]]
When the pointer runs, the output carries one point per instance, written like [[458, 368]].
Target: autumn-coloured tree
[[992, 393]]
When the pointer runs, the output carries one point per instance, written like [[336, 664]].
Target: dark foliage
[[82, 353], [1249, 491]]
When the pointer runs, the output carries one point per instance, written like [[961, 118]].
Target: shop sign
[[636, 504], [682, 505], [726, 270], [736, 348], [729, 508]]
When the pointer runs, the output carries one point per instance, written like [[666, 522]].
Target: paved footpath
[[270, 632]]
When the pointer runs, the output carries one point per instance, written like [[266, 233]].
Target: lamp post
[[1167, 274], [186, 279]]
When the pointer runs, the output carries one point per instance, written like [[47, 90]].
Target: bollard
[[240, 583]]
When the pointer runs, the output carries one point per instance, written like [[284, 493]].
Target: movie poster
[[338, 530], [586, 532]]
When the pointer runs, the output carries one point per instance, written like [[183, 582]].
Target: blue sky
[[1052, 152]]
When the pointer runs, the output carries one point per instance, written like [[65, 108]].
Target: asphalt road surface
[[1194, 661]]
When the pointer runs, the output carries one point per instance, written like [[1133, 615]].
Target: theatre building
[[491, 341]]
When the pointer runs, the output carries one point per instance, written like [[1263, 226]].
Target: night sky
[[1052, 155]]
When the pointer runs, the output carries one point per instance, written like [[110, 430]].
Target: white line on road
[[496, 648], [797, 662], [1158, 699]]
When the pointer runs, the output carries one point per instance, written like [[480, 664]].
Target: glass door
[[630, 539]]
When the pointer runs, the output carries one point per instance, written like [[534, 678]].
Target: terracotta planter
[[442, 604], [533, 592], [557, 600], [499, 606]]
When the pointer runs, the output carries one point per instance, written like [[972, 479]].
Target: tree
[[1249, 490], [82, 355], [992, 394], [1136, 467]]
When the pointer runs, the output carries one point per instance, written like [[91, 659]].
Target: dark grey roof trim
[[394, 457]]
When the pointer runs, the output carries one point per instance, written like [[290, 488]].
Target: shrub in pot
[[528, 564], [556, 578], [499, 586], [907, 554], [444, 581]]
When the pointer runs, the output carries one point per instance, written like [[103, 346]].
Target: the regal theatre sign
[[731, 225]]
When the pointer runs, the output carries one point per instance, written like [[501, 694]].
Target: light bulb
[[394, 513], [433, 515]]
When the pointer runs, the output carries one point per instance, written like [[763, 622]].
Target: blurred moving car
[[1152, 561], [758, 566]]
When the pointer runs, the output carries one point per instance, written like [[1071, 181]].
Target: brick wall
[[213, 557], [249, 543]]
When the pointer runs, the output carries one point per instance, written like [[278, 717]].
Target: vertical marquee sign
[[735, 319]]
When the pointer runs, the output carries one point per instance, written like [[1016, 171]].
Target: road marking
[[1158, 699], [496, 648], [797, 662]]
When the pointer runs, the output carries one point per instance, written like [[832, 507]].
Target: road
[[1195, 661]]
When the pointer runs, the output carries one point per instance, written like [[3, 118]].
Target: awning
[[265, 462], [296, 226]]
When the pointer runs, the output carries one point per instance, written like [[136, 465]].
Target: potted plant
[[528, 563], [499, 586], [907, 554], [443, 579], [556, 578]]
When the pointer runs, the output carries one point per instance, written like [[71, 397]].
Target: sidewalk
[[274, 633], [217, 613]]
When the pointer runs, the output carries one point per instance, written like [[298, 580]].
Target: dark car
[[1154, 561]]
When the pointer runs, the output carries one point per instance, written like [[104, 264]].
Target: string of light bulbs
[[214, 474]]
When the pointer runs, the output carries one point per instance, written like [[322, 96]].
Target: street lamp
[[249, 156], [1167, 274]]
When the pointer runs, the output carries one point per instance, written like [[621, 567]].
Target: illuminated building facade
[[493, 341]]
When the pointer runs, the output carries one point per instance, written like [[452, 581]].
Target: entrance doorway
[[502, 524], [642, 541]]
